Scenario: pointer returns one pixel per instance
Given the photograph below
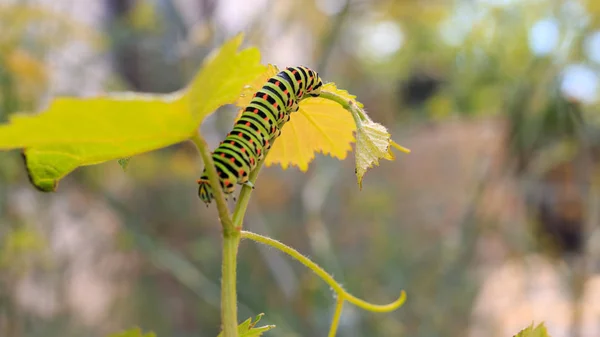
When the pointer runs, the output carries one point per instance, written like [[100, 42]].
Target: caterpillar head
[[205, 190]]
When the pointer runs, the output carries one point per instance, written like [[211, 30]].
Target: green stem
[[231, 237], [357, 113], [244, 198], [231, 240], [229, 285], [230, 249], [341, 292], [213, 178], [336, 317]]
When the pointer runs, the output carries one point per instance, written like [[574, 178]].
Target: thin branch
[[336, 317], [229, 286], [348, 104], [244, 199], [231, 240], [341, 292], [219, 196]]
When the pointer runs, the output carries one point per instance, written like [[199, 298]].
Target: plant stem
[[231, 240], [231, 244], [244, 199], [229, 284], [211, 171], [336, 317], [230, 249], [231, 237], [341, 292], [357, 113]]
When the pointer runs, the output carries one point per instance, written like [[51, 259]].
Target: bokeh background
[[489, 224]]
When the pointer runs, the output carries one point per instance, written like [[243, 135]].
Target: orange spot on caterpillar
[[285, 91], [232, 142], [240, 134], [223, 155], [265, 96], [255, 110], [243, 150], [241, 172], [232, 160], [247, 123], [277, 83], [275, 105]]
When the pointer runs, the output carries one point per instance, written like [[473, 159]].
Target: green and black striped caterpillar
[[259, 125]]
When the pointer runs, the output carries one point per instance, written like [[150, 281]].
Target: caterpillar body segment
[[258, 127]]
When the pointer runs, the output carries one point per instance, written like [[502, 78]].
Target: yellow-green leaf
[[76, 132], [319, 125], [373, 142], [248, 328], [323, 125], [222, 78], [530, 331], [135, 332], [253, 86]]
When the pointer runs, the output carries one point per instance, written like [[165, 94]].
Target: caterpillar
[[258, 127]]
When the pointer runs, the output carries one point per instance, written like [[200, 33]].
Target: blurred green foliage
[[135, 332], [442, 73], [538, 331]]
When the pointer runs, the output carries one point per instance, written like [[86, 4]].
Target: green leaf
[[530, 331], [77, 132], [319, 125], [248, 328], [372, 143], [135, 332], [223, 78]]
